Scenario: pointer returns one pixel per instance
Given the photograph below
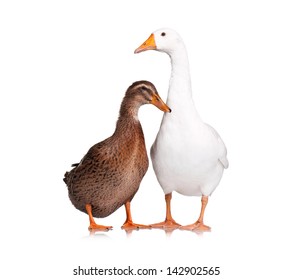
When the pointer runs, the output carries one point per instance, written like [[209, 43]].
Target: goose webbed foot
[[197, 226], [167, 224]]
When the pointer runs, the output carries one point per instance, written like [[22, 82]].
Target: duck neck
[[128, 116], [129, 109]]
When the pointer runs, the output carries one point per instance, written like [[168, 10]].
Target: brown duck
[[110, 173]]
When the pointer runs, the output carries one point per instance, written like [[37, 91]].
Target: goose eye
[[163, 34]]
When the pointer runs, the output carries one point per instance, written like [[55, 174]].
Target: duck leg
[[93, 225], [169, 221], [199, 225], [129, 224]]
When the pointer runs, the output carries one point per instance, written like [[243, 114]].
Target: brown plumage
[[110, 173]]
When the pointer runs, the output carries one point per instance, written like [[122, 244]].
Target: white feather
[[188, 155]]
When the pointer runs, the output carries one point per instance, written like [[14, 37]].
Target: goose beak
[[159, 103], [149, 44]]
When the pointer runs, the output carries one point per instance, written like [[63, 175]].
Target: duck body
[[110, 173], [188, 155]]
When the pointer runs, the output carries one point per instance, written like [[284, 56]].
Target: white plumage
[[188, 156]]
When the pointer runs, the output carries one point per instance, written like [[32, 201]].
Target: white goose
[[188, 155]]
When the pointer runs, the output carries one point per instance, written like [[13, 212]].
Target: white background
[[65, 66]]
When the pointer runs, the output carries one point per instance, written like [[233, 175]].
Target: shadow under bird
[[110, 173], [188, 155]]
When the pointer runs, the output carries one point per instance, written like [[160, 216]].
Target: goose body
[[189, 167], [110, 173], [188, 155]]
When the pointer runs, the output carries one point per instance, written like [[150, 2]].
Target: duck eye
[[163, 34], [144, 88]]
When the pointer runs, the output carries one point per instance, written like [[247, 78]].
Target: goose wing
[[222, 148]]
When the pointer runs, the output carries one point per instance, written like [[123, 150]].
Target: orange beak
[[159, 103], [149, 44]]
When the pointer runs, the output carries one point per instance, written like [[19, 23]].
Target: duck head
[[144, 92], [164, 40]]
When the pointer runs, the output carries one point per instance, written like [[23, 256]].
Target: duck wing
[[96, 162]]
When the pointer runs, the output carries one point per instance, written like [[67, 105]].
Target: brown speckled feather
[[110, 173]]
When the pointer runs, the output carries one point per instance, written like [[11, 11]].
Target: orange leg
[[199, 225], [169, 221], [93, 225], [129, 224]]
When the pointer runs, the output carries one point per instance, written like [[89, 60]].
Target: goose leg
[[93, 225], [169, 221], [199, 225], [129, 224]]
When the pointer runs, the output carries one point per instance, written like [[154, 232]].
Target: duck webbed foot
[[129, 224], [93, 226], [96, 227]]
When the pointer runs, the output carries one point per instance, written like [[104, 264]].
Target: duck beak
[[159, 103], [149, 44]]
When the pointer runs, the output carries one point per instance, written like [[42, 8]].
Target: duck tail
[[67, 176], [65, 179]]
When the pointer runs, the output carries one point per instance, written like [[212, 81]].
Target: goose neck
[[179, 62], [180, 89], [180, 81]]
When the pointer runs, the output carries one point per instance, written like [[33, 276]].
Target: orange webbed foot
[[95, 227], [198, 226], [129, 225], [167, 224]]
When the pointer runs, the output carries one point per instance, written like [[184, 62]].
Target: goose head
[[144, 92], [164, 40]]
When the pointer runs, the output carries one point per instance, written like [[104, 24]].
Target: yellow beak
[[149, 44]]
